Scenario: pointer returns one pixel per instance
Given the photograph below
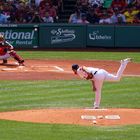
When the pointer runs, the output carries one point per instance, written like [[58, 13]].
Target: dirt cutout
[[61, 70], [74, 116]]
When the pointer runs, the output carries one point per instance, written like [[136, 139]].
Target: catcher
[[7, 51], [98, 76]]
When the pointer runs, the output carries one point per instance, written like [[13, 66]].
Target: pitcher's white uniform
[[101, 75]]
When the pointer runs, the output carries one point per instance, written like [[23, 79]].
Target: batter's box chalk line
[[108, 117], [57, 68], [13, 69], [9, 69]]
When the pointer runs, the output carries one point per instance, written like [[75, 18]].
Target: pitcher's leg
[[117, 77], [98, 83], [98, 86]]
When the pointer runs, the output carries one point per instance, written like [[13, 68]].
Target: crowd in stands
[[86, 11], [94, 11], [29, 11]]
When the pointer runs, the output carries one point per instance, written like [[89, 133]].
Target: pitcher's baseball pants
[[101, 76]]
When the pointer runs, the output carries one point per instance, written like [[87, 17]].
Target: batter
[[98, 76]]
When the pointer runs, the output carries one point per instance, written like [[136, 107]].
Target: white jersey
[[91, 70], [83, 71]]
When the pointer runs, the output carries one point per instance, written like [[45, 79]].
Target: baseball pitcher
[[98, 76]]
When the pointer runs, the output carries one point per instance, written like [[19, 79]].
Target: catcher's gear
[[5, 47], [16, 57], [4, 61]]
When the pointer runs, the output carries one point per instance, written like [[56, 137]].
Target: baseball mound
[[61, 70], [101, 117]]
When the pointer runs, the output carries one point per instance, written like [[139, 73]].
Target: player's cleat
[[95, 107], [4, 61], [21, 63], [127, 60]]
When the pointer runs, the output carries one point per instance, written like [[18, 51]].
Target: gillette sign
[[60, 35]]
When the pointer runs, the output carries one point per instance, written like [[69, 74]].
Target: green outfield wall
[[127, 36], [100, 36], [21, 36], [62, 36], [71, 35]]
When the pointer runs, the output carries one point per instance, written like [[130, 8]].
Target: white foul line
[[58, 68]]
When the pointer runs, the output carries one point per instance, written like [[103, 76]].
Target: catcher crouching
[[7, 51]]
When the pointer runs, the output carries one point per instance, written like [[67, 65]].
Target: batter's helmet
[[75, 66]]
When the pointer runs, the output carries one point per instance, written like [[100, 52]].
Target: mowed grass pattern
[[11, 130], [17, 95], [20, 95], [80, 55]]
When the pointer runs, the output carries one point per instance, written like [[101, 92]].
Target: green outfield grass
[[80, 55], [17, 95], [11, 130], [21, 95]]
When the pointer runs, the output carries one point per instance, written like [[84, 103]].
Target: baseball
[[35, 29]]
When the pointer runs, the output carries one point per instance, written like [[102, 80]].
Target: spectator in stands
[[42, 11], [130, 13], [82, 5], [1, 4], [129, 1], [119, 4], [137, 18], [83, 19], [105, 19], [57, 4], [48, 18], [3, 18], [37, 2], [6, 9], [33, 5], [20, 13], [133, 2], [97, 2], [48, 7], [92, 16], [44, 2], [52, 11], [75, 16], [29, 15], [82, 2], [36, 18], [117, 17], [25, 1]]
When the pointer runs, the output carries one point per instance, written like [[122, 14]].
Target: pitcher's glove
[[89, 76]]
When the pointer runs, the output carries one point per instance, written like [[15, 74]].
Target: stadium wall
[[71, 35]]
